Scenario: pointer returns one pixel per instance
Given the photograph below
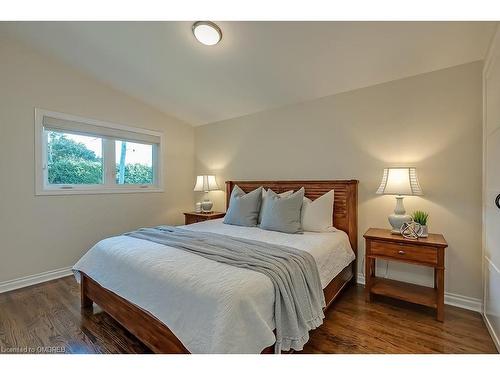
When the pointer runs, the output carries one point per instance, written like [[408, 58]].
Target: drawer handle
[[402, 252]]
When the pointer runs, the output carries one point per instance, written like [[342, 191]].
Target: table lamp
[[206, 183], [399, 181]]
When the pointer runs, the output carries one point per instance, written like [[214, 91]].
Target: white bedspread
[[210, 306]]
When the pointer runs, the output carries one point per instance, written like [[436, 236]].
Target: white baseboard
[[458, 300], [468, 303], [22, 282]]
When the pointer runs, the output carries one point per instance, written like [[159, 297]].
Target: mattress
[[211, 307]]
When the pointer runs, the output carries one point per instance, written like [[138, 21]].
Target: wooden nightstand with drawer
[[382, 244], [196, 217]]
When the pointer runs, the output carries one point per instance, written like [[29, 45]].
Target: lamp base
[[397, 221], [399, 217]]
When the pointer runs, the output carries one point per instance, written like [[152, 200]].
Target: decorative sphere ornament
[[411, 230]]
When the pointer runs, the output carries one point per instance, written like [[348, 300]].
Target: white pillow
[[317, 215], [266, 194]]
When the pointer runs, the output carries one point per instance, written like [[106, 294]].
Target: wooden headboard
[[345, 206]]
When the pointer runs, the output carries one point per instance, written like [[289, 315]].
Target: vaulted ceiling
[[257, 65]]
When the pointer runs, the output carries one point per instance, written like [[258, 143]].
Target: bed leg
[[354, 279], [86, 304]]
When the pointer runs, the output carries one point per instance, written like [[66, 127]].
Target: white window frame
[[42, 187]]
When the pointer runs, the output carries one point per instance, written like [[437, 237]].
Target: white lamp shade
[[400, 181], [206, 183]]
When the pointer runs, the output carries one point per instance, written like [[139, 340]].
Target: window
[[73, 159], [134, 163], [81, 156]]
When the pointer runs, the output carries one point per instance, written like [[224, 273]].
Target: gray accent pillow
[[244, 208], [267, 194], [282, 214]]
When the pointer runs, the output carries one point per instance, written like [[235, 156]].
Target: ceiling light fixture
[[207, 32]]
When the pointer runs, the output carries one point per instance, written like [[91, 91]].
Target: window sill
[[98, 191]]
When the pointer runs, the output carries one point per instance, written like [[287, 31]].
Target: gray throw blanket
[[299, 298]]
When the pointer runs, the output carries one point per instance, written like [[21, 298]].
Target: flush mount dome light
[[207, 32]]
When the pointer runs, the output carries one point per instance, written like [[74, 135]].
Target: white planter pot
[[425, 232]]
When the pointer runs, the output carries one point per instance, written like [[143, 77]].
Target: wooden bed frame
[[158, 337]]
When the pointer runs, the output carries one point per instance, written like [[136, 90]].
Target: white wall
[[43, 233], [491, 226], [431, 121]]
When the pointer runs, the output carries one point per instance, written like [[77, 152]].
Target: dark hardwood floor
[[48, 316]]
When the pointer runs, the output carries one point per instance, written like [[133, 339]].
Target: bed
[[201, 314]]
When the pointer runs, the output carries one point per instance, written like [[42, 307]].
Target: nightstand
[[196, 217], [381, 244]]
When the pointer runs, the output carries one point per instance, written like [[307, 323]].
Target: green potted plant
[[421, 217]]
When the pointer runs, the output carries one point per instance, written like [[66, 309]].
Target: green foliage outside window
[[137, 174], [71, 162]]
